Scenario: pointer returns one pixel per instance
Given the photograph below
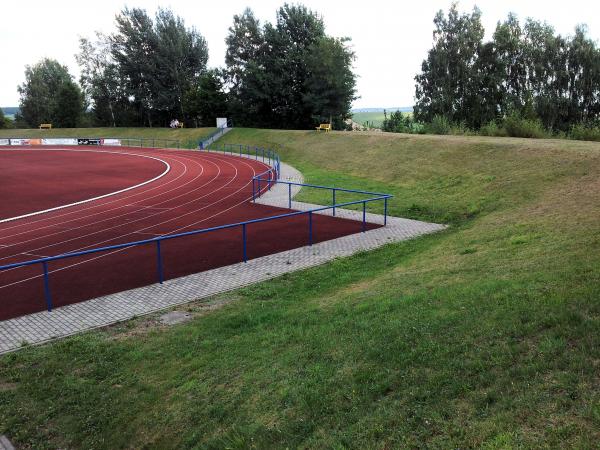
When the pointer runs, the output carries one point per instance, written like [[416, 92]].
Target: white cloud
[[390, 37]]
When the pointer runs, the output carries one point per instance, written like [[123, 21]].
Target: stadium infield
[[137, 194]]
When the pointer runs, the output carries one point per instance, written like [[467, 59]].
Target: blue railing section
[[260, 183], [262, 154]]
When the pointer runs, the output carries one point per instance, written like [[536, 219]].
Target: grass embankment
[[188, 137], [485, 335]]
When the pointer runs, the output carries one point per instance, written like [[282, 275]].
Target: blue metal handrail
[[272, 176]]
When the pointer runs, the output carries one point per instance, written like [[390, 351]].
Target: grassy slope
[[187, 136], [487, 334]]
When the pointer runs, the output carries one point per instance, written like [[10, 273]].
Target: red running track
[[199, 190]]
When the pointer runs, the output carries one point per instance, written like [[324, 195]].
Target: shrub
[[517, 126], [439, 125], [492, 129], [583, 132]]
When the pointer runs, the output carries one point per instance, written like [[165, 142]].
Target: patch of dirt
[[141, 326], [7, 387]]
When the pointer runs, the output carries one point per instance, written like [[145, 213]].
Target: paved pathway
[[99, 312]]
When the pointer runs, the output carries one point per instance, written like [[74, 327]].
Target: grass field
[[187, 136], [486, 335], [374, 119]]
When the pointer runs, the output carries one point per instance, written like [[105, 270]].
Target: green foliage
[[69, 106], [289, 74], [5, 122], [143, 73], [528, 70], [517, 126], [492, 129], [47, 90], [205, 101], [446, 85], [583, 132], [399, 122], [438, 125]]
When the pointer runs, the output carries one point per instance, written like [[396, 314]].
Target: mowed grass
[[485, 335], [188, 137]]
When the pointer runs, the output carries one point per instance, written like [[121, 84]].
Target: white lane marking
[[168, 168]]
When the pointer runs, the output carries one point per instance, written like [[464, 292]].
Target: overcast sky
[[390, 37]]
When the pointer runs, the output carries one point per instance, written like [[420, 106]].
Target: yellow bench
[[325, 127], [45, 126]]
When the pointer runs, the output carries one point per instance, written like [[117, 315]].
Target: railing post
[[290, 195], [254, 189], [240, 150], [334, 190], [244, 242], [364, 223], [310, 229], [47, 287], [256, 153], [159, 265], [258, 180], [263, 154], [385, 207]]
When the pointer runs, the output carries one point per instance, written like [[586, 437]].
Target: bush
[[492, 129], [517, 126], [583, 132], [439, 125]]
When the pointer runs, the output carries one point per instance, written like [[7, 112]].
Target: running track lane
[[199, 191]]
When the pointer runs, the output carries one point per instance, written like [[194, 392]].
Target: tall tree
[[69, 106], [134, 47], [448, 82], [101, 82], [286, 74], [330, 86], [206, 101], [47, 86], [182, 55]]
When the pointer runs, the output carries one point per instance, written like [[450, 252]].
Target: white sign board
[[59, 141], [115, 142], [221, 122]]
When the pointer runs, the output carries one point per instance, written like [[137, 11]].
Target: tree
[[100, 81], [5, 122], [448, 82], [133, 48], [155, 62], [330, 86], [181, 60], [288, 74], [206, 101], [69, 106], [48, 87]]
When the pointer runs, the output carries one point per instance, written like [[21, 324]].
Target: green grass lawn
[[485, 335], [188, 137]]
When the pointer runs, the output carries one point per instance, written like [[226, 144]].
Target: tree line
[[526, 76], [150, 70]]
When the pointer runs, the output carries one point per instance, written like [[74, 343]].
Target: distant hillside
[[10, 111], [391, 109]]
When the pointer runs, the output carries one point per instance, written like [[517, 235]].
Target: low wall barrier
[[96, 141]]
